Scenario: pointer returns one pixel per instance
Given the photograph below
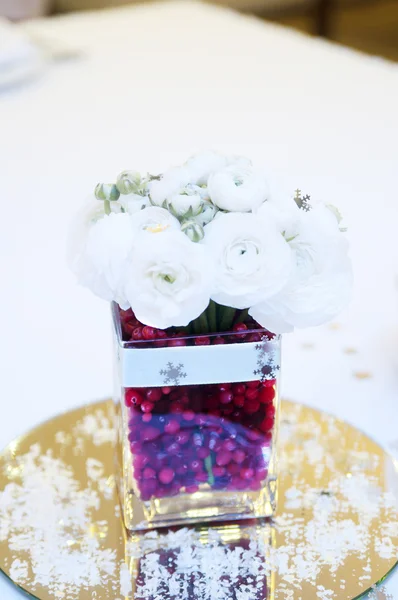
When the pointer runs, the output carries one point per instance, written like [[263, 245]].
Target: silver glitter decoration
[[173, 373]]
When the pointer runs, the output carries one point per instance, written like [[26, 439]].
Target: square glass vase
[[197, 420]]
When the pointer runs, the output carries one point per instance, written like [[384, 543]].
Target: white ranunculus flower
[[321, 280], [154, 219], [201, 165], [170, 279], [207, 213], [102, 261], [237, 188], [170, 183], [181, 204], [252, 259], [132, 203]]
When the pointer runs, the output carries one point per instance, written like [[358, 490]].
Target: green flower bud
[[107, 191], [129, 182], [193, 230], [207, 213]]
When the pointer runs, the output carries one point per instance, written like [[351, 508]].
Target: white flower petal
[[237, 188], [171, 182], [201, 165], [154, 219], [252, 259]]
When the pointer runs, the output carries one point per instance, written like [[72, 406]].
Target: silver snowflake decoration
[[173, 373], [267, 368]]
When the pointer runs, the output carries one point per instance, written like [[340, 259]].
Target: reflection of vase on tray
[[201, 264]]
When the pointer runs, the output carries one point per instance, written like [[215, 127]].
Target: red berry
[[177, 342], [149, 473], [233, 468], [229, 445], [202, 340], [269, 382], [261, 474], [251, 393], [148, 333], [172, 426], [255, 486], [147, 417], [251, 407], [166, 390], [195, 466], [240, 329], [252, 384], [266, 395], [176, 408], [271, 411], [137, 334], [223, 457], [147, 406], [239, 401], [226, 397], [202, 477], [254, 435], [253, 337], [218, 341], [239, 456], [140, 461], [153, 394], [166, 475], [132, 397], [238, 389], [267, 424]]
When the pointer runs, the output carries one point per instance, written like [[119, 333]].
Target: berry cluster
[[210, 436]]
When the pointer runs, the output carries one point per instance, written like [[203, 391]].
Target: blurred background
[[370, 26]]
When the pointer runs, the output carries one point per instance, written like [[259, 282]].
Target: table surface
[[153, 84]]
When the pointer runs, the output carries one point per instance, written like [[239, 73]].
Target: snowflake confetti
[[173, 373]]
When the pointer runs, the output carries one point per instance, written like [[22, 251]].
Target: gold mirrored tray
[[61, 535]]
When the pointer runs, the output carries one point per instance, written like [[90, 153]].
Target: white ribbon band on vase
[[192, 365]]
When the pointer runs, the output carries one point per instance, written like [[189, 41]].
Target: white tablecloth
[[153, 84]]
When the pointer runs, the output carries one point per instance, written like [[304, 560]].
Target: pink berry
[[166, 475], [188, 415], [182, 437], [147, 417], [218, 471], [147, 406], [261, 474], [137, 334], [255, 486], [154, 394], [226, 397], [229, 445], [233, 469], [149, 433], [202, 477], [195, 466], [149, 473], [239, 456], [172, 426], [247, 473], [177, 342], [191, 489], [203, 453], [140, 461], [166, 390], [223, 457]]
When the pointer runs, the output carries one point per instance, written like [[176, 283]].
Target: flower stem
[[203, 324], [209, 469], [227, 317], [107, 207], [212, 316], [241, 318]]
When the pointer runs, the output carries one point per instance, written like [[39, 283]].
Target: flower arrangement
[[206, 245]]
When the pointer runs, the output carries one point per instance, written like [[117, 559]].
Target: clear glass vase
[[198, 423]]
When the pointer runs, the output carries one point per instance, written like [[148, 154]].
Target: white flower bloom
[[207, 213], [252, 259], [201, 165], [237, 188], [181, 204], [321, 281], [239, 161], [102, 261], [170, 279], [170, 183], [132, 203], [154, 219]]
